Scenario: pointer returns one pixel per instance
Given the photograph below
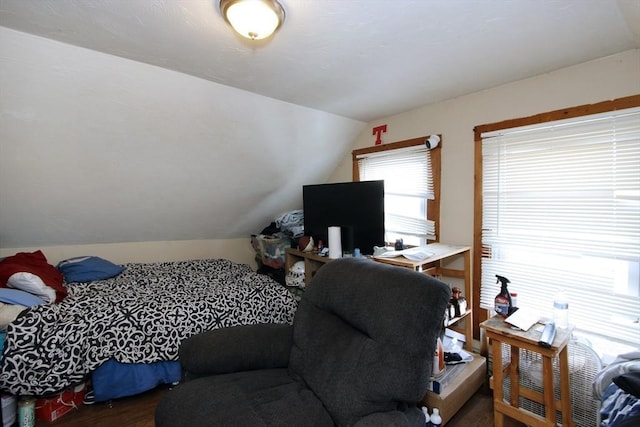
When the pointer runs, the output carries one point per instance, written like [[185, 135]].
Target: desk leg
[[514, 371], [549, 395], [469, 295], [565, 390], [498, 391]]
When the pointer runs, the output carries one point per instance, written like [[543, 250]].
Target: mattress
[[140, 316]]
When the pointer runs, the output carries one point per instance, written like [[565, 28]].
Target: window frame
[[433, 206], [566, 113]]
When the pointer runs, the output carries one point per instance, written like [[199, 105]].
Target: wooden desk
[[500, 332]]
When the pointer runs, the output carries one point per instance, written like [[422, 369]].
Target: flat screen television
[[356, 207]]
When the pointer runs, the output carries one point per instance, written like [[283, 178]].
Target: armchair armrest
[[237, 348]]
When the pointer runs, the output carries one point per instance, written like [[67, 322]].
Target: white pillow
[[33, 284]]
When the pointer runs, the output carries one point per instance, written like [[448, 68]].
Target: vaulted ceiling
[[150, 120], [361, 59]]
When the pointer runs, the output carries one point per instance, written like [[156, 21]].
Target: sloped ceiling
[[149, 120], [362, 59]]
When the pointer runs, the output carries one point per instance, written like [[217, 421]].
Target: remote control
[[548, 335]]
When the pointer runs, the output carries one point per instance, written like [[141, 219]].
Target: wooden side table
[[498, 332]]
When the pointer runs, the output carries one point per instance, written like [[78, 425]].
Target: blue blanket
[[619, 408], [114, 379], [617, 386]]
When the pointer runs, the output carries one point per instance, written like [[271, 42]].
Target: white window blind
[[408, 183], [561, 209]]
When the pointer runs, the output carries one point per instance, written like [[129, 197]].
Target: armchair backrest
[[364, 336]]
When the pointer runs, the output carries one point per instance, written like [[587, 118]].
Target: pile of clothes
[[288, 225], [271, 243], [618, 387]]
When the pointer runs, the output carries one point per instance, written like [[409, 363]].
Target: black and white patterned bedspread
[[140, 316]]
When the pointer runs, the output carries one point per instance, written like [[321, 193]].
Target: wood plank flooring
[[134, 411], [138, 411]]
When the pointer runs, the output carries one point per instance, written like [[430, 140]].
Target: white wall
[[604, 79], [99, 150], [238, 250], [105, 156]]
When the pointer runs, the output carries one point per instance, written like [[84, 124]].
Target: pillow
[[33, 284], [36, 265], [88, 269], [9, 313], [18, 297]]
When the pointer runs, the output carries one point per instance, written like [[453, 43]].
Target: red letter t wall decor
[[378, 131]]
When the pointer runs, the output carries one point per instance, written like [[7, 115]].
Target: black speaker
[[346, 235]]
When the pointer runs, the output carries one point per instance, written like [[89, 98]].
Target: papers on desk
[[523, 319], [452, 342], [418, 253]]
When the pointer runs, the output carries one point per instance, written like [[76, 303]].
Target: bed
[[124, 331]]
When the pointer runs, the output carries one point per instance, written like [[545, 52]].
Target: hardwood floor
[[477, 412], [138, 411], [134, 411]]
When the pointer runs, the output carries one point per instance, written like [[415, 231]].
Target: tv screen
[[356, 207]]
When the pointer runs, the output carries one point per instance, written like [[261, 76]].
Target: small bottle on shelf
[[438, 359], [514, 300]]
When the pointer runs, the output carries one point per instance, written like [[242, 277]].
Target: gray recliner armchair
[[359, 353]]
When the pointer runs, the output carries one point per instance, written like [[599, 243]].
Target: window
[[560, 209], [411, 178]]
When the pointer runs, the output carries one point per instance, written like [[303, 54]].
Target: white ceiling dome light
[[253, 19]]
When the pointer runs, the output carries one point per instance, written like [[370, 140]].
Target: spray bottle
[[503, 299]]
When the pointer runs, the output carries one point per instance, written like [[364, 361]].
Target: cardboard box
[[440, 383], [456, 394], [450, 336], [53, 407]]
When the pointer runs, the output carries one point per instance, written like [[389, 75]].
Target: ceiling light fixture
[[253, 19]]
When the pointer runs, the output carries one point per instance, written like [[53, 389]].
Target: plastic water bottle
[[436, 419], [561, 309]]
